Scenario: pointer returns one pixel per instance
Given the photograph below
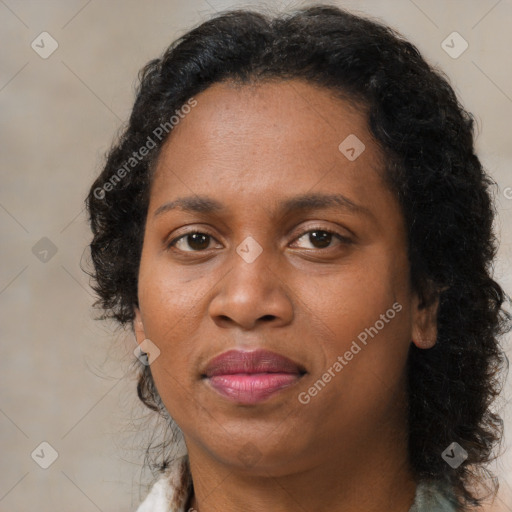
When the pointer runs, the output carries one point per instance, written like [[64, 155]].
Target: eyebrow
[[311, 201]]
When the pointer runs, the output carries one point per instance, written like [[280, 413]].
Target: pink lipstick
[[251, 377]]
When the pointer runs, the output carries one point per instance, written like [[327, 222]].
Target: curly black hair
[[427, 138]]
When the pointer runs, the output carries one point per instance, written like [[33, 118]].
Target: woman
[[297, 228]]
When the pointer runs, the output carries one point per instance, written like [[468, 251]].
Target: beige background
[[66, 378]]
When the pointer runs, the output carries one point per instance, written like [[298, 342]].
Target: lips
[[251, 377]]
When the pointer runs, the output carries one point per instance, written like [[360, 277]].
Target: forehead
[[227, 113], [273, 134]]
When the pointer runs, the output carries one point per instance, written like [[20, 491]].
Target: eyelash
[[341, 238]]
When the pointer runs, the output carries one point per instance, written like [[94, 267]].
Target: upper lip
[[255, 361]]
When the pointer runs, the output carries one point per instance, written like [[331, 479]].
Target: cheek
[[365, 313], [167, 300], [170, 314], [353, 300], [168, 320]]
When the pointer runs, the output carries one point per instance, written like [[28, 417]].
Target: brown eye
[[194, 241], [322, 238]]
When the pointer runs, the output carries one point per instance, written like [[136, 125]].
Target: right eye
[[196, 241]]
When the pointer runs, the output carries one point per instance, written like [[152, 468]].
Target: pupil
[[322, 238], [199, 241]]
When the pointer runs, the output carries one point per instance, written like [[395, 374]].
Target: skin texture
[[250, 147]]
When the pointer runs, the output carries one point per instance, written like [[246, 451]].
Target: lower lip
[[252, 388]]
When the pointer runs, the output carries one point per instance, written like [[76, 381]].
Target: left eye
[[321, 238]]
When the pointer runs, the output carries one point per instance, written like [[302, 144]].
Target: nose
[[251, 294]]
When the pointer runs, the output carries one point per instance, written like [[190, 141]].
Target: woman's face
[[258, 173]]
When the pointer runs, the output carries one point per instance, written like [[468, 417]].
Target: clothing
[[171, 492]]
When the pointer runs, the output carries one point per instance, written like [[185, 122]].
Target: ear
[[424, 329], [138, 327]]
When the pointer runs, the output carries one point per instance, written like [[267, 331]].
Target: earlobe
[[138, 326], [424, 331]]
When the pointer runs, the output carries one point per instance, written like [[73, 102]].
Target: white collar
[[170, 492]]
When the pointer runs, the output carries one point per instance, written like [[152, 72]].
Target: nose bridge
[[252, 270], [252, 288]]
